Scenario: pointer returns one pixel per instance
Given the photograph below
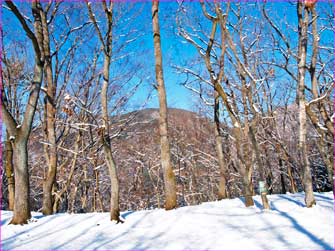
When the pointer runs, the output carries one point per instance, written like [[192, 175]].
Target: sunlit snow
[[220, 225]]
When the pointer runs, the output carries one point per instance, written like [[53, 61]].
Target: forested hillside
[[82, 182]]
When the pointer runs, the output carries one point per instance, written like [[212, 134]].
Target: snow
[[67, 97], [256, 108], [219, 225], [322, 127], [236, 125]]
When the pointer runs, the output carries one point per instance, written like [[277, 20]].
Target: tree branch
[[26, 28]]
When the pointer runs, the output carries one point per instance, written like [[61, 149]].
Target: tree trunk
[[244, 164], [21, 205], [106, 42], [269, 175], [246, 168], [307, 177], [50, 118], [222, 193], [260, 165], [8, 163], [114, 202], [282, 179], [169, 177], [248, 188], [97, 194], [291, 178]]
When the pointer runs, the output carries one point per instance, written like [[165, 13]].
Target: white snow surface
[[219, 225]]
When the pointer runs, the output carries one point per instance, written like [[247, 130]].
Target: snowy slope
[[221, 225]]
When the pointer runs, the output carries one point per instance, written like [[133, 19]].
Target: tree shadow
[[39, 216], [9, 241], [4, 222], [298, 203], [10, 244], [303, 230], [326, 199], [103, 239], [125, 215], [138, 236], [293, 221]]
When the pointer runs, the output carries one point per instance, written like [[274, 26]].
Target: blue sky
[[175, 52]]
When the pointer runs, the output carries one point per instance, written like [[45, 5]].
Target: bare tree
[[54, 65], [240, 131], [314, 96], [50, 118], [321, 94], [19, 132], [303, 19], [106, 42], [222, 192], [12, 71], [168, 174]]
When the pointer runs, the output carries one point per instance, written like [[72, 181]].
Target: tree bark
[[244, 164], [50, 118], [247, 186], [169, 177], [8, 163], [222, 193], [291, 178], [114, 202], [260, 165], [307, 177], [21, 206]]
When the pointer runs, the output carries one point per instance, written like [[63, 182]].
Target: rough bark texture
[[50, 118], [293, 187], [169, 177], [114, 202], [222, 193], [307, 177], [248, 189], [245, 164], [260, 164], [21, 205], [8, 164]]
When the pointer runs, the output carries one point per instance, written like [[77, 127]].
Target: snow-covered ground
[[221, 225]]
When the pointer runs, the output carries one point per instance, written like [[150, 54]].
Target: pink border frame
[[139, 1]]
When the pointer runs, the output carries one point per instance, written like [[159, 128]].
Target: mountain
[[83, 180], [83, 183]]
